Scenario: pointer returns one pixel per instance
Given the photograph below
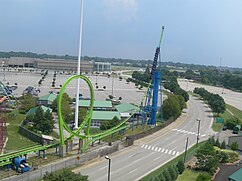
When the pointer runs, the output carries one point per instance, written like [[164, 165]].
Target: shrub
[[180, 166], [203, 177]]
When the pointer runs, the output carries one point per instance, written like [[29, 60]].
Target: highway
[[155, 150], [230, 97]]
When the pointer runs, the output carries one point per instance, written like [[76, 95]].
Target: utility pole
[[185, 155]]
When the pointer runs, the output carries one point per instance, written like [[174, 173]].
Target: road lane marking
[[173, 153], [159, 150], [156, 158], [137, 160], [162, 150], [156, 148], [103, 168], [170, 152], [142, 146], [166, 151], [133, 171], [153, 148], [177, 153], [146, 146], [188, 132], [149, 147]]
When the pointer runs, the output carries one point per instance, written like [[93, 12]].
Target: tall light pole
[[109, 166], [198, 130], [185, 155], [79, 66]]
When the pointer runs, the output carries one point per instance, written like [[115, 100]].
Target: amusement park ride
[[148, 113]]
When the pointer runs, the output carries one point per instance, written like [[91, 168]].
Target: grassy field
[[15, 140], [230, 113], [190, 154], [188, 175]]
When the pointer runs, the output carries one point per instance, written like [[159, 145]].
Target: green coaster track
[[89, 138]]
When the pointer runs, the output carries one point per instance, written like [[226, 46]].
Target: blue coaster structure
[[153, 91]]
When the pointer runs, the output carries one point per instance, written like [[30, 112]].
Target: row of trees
[[64, 175], [173, 106], [215, 101], [172, 85], [171, 173]]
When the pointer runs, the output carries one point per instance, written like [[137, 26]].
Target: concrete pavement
[[230, 97], [155, 150]]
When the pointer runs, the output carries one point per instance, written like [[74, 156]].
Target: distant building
[[102, 67], [125, 110], [99, 116], [48, 64], [237, 139], [46, 100], [34, 109], [98, 105]]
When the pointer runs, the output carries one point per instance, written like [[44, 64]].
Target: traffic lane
[[120, 160]]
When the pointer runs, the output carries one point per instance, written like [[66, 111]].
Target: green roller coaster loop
[[87, 120]]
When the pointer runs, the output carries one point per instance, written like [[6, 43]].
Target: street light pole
[[109, 166], [198, 130], [186, 151]]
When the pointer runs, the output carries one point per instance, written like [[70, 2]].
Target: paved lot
[[128, 92], [230, 97]]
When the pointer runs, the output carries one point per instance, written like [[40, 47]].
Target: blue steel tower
[[155, 86]]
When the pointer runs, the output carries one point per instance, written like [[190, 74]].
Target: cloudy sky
[[196, 31]]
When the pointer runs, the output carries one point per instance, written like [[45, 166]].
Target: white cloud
[[122, 10]]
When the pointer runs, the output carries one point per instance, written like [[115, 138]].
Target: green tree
[[180, 166], [223, 145], [167, 175], [171, 107], [27, 102], [206, 158], [82, 113], [109, 124], [234, 146], [217, 143], [172, 173], [161, 177], [43, 121], [203, 177], [64, 175]]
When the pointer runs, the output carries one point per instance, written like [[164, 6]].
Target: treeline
[[35, 55], [172, 85], [171, 173], [228, 79], [215, 101]]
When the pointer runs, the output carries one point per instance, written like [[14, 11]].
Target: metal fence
[[64, 163]]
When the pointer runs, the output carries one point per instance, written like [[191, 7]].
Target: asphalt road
[[154, 151], [230, 97]]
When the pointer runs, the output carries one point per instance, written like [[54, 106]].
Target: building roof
[[236, 175], [49, 97], [105, 115], [33, 110], [97, 104], [126, 108]]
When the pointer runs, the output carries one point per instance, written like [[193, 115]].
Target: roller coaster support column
[[62, 150], [156, 81]]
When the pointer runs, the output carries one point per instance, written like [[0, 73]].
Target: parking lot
[[128, 92]]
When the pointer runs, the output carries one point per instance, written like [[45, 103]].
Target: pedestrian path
[[161, 150], [188, 132]]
